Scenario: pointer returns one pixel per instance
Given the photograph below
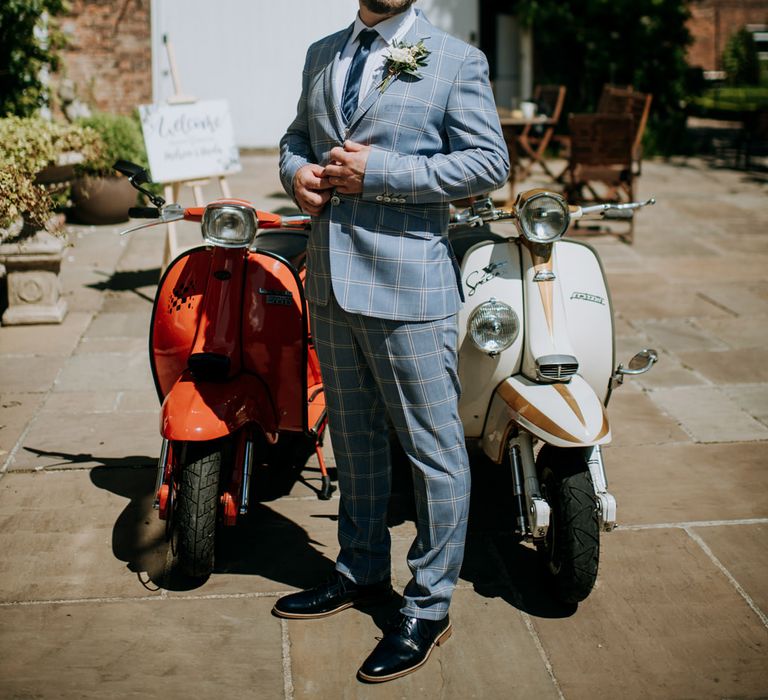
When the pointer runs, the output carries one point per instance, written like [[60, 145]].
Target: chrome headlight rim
[[503, 338], [527, 200], [216, 218]]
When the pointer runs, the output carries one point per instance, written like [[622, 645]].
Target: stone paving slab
[[16, 410], [668, 372], [51, 339], [741, 550], [63, 402], [142, 649], [29, 373], [664, 617], [737, 332], [65, 535], [636, 419], [676, 335], [745, 366], [120, 371], [687, 482], [752, 398], [121, 325], [662, 301], [709, 415], [499, 660], [83, 287], [130, 346], [90, 440]]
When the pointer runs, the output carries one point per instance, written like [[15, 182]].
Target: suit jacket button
[[387, 199], [335, 200], [379, 198]]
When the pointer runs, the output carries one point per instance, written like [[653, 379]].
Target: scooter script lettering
[[477, 277]]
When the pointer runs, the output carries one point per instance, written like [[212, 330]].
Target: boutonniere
[[403, 58]]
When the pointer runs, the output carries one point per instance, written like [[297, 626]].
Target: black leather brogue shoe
[[328, 598], [404, 649]]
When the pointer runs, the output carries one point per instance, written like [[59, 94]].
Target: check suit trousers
[[373, 368]]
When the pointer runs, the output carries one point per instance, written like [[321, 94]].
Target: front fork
[[533, 511], [234, 499]]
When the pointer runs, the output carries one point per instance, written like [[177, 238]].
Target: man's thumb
[[352, 146]]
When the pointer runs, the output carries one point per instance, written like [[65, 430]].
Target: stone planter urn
[[102, 200], [32, 268]]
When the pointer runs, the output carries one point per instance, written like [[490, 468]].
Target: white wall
[[251, 52]]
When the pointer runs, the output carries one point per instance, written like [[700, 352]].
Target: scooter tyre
[[197, 508], [571, 550]]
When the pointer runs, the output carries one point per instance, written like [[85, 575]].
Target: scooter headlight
[[543, 216], [493, 326], [229, 225]]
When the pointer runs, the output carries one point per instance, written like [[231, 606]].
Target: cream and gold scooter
[[537, 367]]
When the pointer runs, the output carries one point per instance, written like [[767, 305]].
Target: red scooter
[[233, 364]]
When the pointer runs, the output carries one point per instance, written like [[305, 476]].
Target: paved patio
[[87, 609]]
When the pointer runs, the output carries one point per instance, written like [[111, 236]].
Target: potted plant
[[100, 195], [36, 159]]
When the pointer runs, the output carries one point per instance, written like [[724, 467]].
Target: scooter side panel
[[588, 312], [274, 336], [565, 415], [195, 410], [175, 318], [489, 270]]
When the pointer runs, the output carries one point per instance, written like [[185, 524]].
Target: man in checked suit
[[376, 163]]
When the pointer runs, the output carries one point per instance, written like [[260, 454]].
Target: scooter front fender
[[196, 410], [564, 415]]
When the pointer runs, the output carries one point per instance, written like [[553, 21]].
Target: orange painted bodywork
[[250, 308]]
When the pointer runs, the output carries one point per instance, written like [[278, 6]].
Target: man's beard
[[387, 7]]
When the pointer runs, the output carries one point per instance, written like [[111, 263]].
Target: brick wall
[[713, 22], [109, 54]]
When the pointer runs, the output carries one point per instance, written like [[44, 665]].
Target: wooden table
[[516, 130]]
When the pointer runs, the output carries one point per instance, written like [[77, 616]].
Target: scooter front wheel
[[571, 550], [197, 507]]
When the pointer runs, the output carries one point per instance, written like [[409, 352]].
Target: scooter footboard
[[565, 415]]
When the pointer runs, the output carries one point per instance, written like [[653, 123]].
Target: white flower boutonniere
[[403, 58]]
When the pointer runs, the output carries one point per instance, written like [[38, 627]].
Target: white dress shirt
[[389, 30]]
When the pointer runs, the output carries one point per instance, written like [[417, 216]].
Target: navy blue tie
[[355, 74]]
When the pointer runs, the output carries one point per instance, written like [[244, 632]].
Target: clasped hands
[[313, 183]]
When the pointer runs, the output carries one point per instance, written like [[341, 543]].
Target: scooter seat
[[463, 238], [290, 245]]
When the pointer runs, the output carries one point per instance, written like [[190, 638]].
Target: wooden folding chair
[[533, 140], [616, 99], [600, 167]]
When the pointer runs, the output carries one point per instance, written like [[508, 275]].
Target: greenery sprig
[[404, 58]]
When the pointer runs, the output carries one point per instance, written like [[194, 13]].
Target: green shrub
[[120, 138], [27, 146], [740, 59]]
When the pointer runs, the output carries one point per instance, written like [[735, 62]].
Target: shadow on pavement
[[266, 543], [130, 281], [263, 543]]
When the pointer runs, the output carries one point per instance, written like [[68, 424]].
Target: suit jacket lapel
[[331, 103], [419, 30]]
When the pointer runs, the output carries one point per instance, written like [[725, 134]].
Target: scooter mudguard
[[564, 415], [195, 410]]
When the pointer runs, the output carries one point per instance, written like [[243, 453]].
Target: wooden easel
[[172, 190]]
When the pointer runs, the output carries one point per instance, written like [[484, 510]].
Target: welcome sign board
[[189, 141]]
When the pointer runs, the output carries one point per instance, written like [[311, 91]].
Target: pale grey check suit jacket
[[434, 139]]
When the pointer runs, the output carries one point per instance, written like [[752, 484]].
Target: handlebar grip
[[144, 213], [618, 214]]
